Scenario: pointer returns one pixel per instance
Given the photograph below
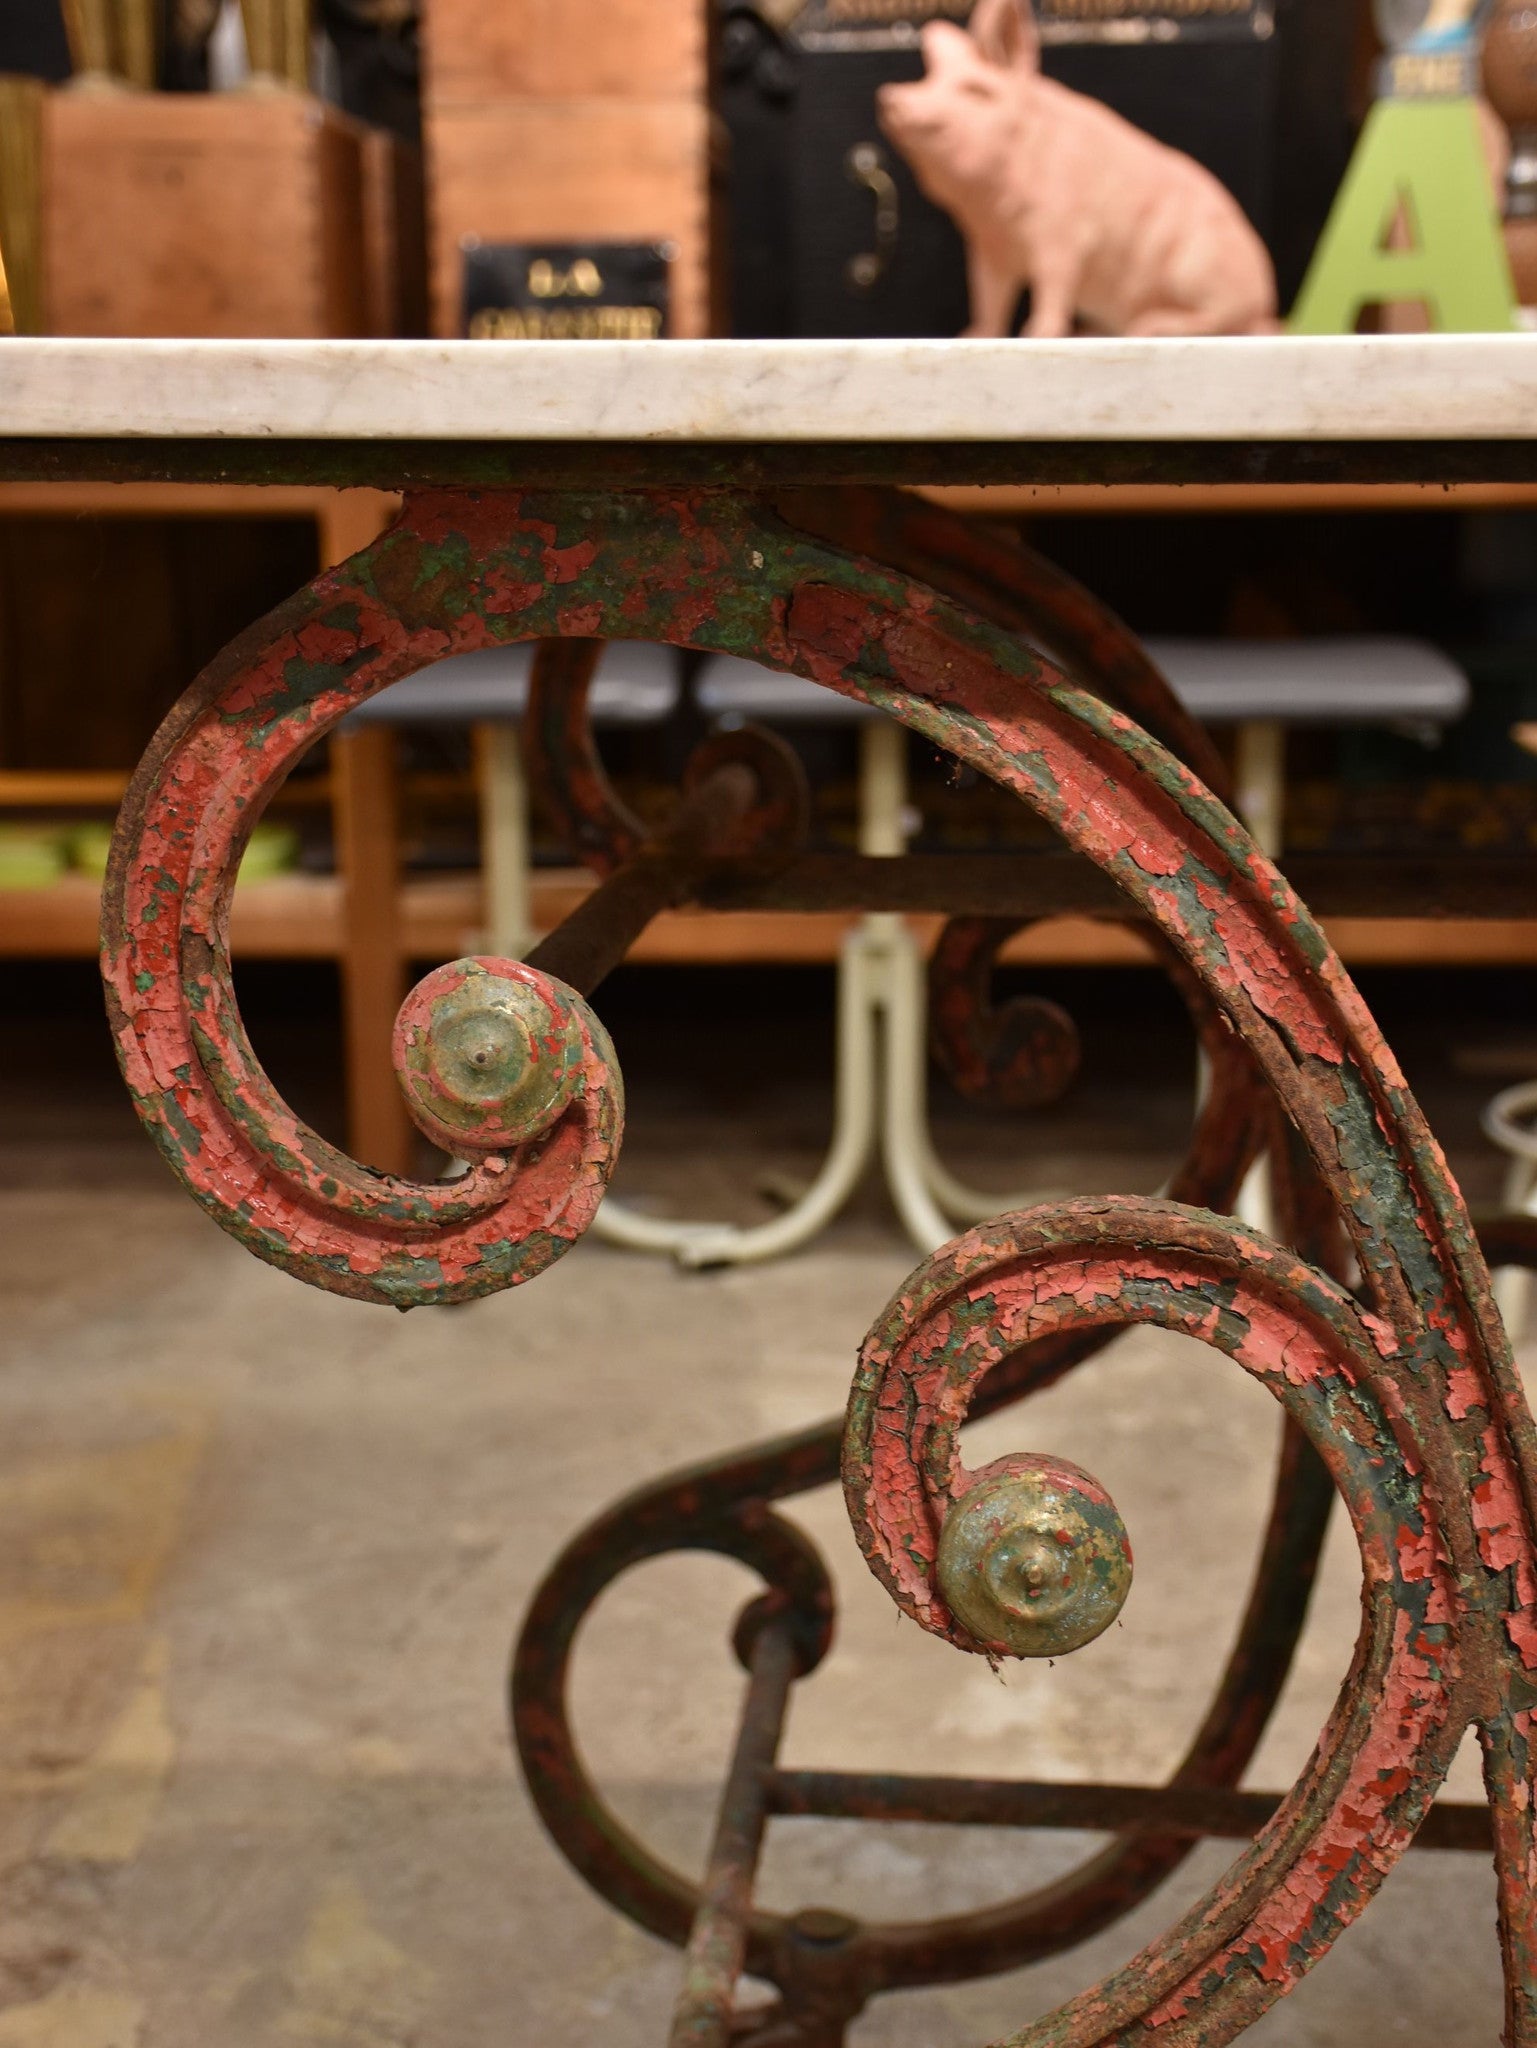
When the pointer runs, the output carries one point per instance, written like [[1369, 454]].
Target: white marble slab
[[1380, 388]]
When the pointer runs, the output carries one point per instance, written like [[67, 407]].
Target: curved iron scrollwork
[[727, 1507], [563, 761], [997, 578], [1408, 1393], [1406, 1701], [1017, 1055], [1021, 1054], [290, 1196], [293, 1198]]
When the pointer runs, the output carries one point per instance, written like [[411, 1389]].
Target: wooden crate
[[395, 236], [565, 49], [227, 214], [610, 170], [571, 120], [22, 101]]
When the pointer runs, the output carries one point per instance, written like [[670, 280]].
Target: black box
[[1257, 90]]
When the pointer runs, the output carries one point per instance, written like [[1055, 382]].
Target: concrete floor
[[265, 1551]]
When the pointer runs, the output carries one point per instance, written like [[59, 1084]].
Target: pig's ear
[[1005, 32], [1028, 55]]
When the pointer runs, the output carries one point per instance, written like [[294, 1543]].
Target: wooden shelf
[[41, 789], [70, 788], [294, 917], [369, 510], [1007, 501], [1055, 501], [299, 917]]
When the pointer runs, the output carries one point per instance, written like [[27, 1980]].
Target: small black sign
[[894, 24], [869, 24], [565, 291], [1130, 21]]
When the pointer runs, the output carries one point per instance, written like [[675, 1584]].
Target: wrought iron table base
[[826, 1966], [1373, 1326]]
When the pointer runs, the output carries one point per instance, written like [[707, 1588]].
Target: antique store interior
[[265, 1551]]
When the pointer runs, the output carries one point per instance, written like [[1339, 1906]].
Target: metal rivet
[[488, 1054], [1034, 1560]]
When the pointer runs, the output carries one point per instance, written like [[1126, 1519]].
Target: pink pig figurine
[[1054, 191]]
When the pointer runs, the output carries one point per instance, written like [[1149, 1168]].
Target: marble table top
[[1431, 406]]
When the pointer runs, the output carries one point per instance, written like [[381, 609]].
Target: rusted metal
[[490, 1055], [744, 809], [995, 575], [1015, 888], [1405, 1390], [1022, 1054], [1417, 1680], [591, 942], [593, 465], [1033, 1557], [829, 1966], [823, 1972], [717, 1942], [725, 1508], [290, 1196], [1201, 1813], [1016, 1055], [562, 761], [1259, 954], [728, 1506]]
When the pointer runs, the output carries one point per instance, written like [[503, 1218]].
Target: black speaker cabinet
[[828, 232], [32, 39]]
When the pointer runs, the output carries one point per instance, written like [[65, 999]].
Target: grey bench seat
[[1359, 679], [732, 690], [637, 683]]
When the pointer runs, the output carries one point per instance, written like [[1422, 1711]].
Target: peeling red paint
[[1463, 1393], [1411, 1402]]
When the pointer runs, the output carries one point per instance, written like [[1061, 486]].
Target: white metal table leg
[[963, 1203], [504, 840], [904, 1105], [617, 1223], [929, 1198], [883, 825], [859, 1028], [1506, 1121], [1513, 1284], [1259, 776], [880, 1079], [501, 795], [853, 1136]]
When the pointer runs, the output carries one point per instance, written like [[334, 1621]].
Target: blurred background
[[265, 1549]]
